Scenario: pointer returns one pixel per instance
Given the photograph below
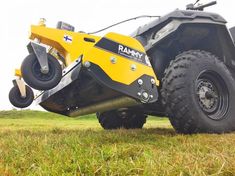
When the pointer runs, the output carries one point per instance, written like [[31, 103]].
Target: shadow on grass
[[161, 131], [102, 137], [120, 136], [149, 131], [58, 130]]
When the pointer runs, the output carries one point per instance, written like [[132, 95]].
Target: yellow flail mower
[[179, 66]]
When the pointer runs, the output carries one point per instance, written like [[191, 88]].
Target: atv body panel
[[184, 30]]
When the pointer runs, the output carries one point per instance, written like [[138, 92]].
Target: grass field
[[40, 143]]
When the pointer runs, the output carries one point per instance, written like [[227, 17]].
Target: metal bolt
[[113, 60], [87, 64], [133, 67], [44, 70], [145, 95], [139, 94], [140, 81], [151, 96], [36, 40], [153, 81]]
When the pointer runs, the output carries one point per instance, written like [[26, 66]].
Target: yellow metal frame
[[18, 73], [120, 71]]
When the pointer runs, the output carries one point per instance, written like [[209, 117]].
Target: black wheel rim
[[36, 70], [212, 95]]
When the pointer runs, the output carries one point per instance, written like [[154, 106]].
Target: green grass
[[40, 143]]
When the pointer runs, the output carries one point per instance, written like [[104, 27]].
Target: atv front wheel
[[17, 100], [198, 93], [121, 119], [33, 76]]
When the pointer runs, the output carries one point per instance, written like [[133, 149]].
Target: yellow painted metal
[[55, 38], [120, 71], [18, 73]]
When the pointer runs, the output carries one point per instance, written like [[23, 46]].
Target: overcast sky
[[86, 15]]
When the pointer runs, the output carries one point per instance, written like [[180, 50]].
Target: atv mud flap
[[88, 89]]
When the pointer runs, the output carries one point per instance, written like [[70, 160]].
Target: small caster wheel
[[33, 76], [17, 100]]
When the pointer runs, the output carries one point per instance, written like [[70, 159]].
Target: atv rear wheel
[[17, 100], [121, 119], [33, 76], [198, 93]]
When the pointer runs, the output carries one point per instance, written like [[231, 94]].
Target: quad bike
[[181, 65]]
